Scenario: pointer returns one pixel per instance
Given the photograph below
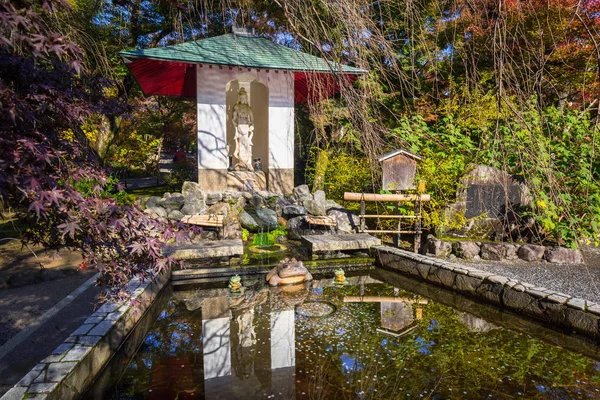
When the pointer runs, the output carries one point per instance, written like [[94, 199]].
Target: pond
[[379, 336]]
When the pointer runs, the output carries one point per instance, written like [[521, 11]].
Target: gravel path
[[576, 280]]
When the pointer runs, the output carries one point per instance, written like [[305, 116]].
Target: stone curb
[[73, 365], [558, 309]]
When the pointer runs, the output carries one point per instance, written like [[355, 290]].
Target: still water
[[367, 339]]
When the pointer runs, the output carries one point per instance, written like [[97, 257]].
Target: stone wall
[[558, 309], [496, 251], [73, 366]]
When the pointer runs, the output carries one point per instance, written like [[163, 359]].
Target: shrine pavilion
[[214, 71]]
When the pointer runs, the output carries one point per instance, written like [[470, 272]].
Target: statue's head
[[243, 96]]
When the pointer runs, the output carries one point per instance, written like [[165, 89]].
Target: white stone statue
[[243, 121]]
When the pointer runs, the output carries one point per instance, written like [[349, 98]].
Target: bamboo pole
[[349, 196]]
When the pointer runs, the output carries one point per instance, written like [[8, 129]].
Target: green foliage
[[245, 234], [344, 173], [268, 238], [182, 171], [87, 188]]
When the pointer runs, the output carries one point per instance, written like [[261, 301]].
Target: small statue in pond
[[340, 276], [243, 121], [288, 272]]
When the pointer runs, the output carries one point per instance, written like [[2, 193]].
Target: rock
[[282, 222], [293, 211], [437, 247], [268, 219], [248, 221], [175, 215], [492, 251], [213, 198], [465, 250], [156, 212], [256, 201], [193, 206], [319, 197], [563, 255], [153, 202], [314, 208], [219, 209], [302, 193], [194, 202], [192, 189], [531, 252], [510, 251], [329, 204], [232, 229], [346, 221], [142, 201], [247, 195], [256, 220], [231, 196], [173, 202], [297, 227]]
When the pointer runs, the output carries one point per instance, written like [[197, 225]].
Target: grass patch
[[134, 194]]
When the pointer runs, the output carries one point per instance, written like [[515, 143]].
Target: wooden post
[[362, 213], [421, 188], [417, 243], [397, 236]]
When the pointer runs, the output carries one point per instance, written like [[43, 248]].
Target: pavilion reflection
[[248, 353]]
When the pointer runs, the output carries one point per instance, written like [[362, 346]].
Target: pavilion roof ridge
[[241, 51]]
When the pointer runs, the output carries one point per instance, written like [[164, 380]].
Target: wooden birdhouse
[[399, 168]]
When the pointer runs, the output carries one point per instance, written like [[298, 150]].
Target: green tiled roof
[[241, 50]]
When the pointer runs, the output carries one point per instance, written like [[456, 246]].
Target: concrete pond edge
[[558, 309], [73, 366]]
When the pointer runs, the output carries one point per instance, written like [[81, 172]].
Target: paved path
[[576, 280], [48, 302]]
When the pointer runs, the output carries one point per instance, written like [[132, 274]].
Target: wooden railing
[[395, 198]]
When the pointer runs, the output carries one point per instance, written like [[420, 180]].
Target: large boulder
[[193, 206], [257, 220], [314, 207], [302, 193], [319, 197], [249, 221], [293, 211], [465, 250], [213, 198], [437, 247], [297, 227], [192, 189], [492, 251], [329, 204], [173, 202], [194, 199], [563, 255], [531, 252], [346, 221], [267, 219]]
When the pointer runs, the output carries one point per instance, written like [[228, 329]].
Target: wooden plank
[[383, 299], [204, 220], [389, 216], [349, 196], [376, 231]]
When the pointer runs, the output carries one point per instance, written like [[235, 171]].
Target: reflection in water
[[381, 342]]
